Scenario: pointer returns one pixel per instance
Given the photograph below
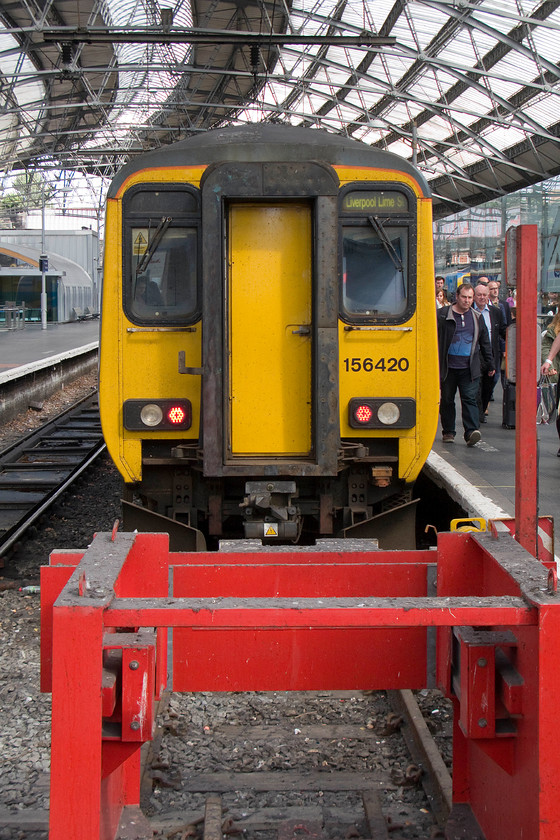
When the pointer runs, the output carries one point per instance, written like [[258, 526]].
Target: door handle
[[303, 330]]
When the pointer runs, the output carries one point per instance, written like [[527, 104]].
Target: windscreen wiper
[[153, 246], [388, 245]]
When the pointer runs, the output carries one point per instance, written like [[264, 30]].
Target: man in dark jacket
[[462, 339]]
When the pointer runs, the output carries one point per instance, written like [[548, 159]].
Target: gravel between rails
[[196, 729]]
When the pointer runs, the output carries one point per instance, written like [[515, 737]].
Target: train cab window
[[163, 281], [161, 256], [375, 254]]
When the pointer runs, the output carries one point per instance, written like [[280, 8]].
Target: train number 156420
[[391, 364]]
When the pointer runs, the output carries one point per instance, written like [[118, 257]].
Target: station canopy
[[466, 89]]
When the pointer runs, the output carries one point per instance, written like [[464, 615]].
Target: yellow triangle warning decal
[[271, 530], [140, 243]]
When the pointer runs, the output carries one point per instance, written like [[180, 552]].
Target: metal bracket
[[488, 686], [129, 685], [193, 371]]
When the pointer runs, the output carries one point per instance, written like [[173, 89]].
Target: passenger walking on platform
[[441, 298], [440, 287], [551, 358], [440, 284], [494, 300], [551, 307], [462, 339], [496, 326]]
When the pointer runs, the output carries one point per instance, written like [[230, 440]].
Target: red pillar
[[549, 687], [526, 473], [76, 723]]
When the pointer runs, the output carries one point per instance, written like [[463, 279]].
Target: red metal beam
[[526, 466], [506, 765]]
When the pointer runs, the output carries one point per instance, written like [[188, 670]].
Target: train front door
[[269, 330]]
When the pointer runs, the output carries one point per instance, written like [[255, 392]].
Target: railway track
[[280, 766], [35, 470], [316, 792]]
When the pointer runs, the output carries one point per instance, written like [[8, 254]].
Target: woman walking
[[551, 364]]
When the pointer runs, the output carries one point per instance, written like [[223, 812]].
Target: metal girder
[[191, 36]]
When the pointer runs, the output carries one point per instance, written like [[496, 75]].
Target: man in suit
[[494, 300], [496, 326]]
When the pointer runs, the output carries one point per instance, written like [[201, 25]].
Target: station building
[[71, 276], [70, 289]]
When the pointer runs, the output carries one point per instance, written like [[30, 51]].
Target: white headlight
[[388, 413], [151, 415]]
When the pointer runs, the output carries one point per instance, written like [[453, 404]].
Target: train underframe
[[364, 500]]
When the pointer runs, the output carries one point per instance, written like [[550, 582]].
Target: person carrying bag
[[548, 398]]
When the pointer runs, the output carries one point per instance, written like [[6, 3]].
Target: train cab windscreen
[[161, 256], [163, 281], [376, 226], [375, 272]]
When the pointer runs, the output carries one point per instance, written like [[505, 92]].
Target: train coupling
[[269, 510]]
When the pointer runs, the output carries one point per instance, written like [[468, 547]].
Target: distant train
[[455, 279], [268, 353], [469, 275]]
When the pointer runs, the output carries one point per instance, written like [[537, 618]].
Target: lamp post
[[43, 263]]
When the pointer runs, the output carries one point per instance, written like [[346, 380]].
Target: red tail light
[[176, 415], [363, 413]]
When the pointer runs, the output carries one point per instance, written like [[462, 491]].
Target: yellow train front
[[268, 362]]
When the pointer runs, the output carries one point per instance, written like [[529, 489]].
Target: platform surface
[[489, 466], [33, 344]]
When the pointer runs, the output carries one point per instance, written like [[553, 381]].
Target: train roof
[[267, 142]]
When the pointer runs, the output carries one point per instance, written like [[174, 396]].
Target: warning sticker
[[270, 529], [140, 242]]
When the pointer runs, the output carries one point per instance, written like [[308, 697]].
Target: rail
[[35, 470]]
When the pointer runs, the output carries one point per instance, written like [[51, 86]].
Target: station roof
[[467, 89]]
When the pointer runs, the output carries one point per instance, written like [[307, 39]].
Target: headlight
[[151, 414], [388, 413]]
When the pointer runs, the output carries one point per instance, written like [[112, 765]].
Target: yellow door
[[270, 332]]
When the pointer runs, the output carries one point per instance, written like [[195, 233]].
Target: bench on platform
[[85, 314]]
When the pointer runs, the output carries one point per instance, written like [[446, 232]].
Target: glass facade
[[470, 244]]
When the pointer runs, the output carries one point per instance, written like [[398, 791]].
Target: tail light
[[157, 415], [381, 413]]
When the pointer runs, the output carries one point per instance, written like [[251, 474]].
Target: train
[[268, 357]]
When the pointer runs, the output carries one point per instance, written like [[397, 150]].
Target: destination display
[[375, 201]]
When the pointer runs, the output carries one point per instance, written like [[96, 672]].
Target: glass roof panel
[[478, 77]]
